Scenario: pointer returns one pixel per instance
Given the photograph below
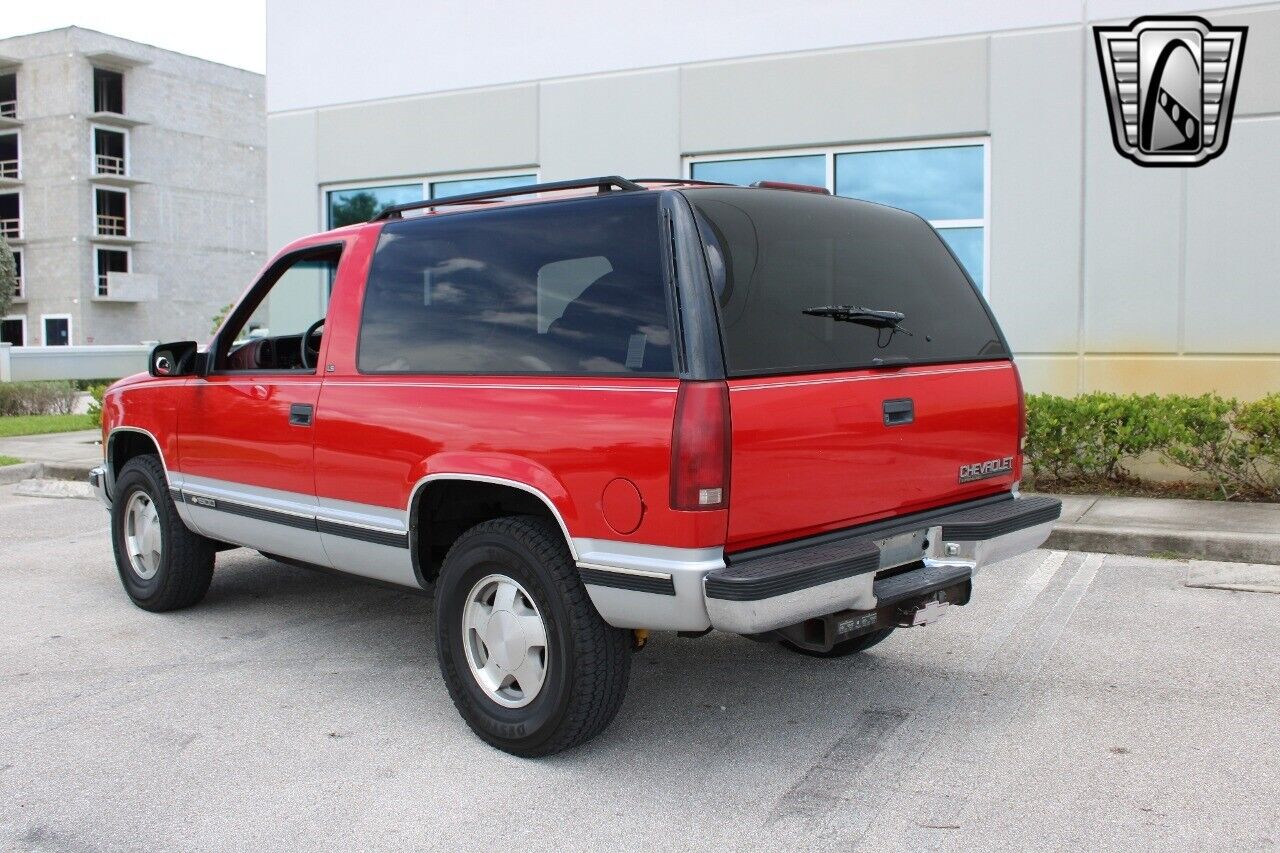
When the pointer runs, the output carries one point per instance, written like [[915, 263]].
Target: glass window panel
[[570, 287], [809, 169], [347, 207], [773, 255], [440, 189], [57, 331], [13, 331], [967, 244], [936, 183]]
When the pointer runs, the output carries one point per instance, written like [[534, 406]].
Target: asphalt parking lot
[[1081, 701]]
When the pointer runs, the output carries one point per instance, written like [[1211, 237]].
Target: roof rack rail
[[605, 184]]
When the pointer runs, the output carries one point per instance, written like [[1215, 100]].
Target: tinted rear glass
[[774, 253], [573, 287]]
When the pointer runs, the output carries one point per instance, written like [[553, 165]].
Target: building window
[[10, 216], [351, 206], [108, 91], [13, 330], [10, 156], [57, 329], [18, 292], [112, 208], [943, 182], [110, 151], [107, 261], [9, 95], [441, 189], [808, 169]]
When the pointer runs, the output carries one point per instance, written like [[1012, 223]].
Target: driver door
[[245, 433]]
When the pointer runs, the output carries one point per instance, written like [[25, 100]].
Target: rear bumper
[[778, 587]]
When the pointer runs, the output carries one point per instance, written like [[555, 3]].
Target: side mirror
[[175, 359]]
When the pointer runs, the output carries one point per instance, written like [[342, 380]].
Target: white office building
[[131, 188], [988, 119]]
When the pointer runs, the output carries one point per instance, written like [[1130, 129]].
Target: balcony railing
[[8, 109], [11, 228], [111, 226], [109, 165], [8, 168]]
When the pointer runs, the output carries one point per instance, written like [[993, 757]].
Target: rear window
[[775, 253], [573, 287]]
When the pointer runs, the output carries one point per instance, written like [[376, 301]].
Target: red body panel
[[377, 436], [151, 405], [236, 428], [812, 453]]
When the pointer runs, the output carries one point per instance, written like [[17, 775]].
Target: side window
[[573, 287], [281, 323]]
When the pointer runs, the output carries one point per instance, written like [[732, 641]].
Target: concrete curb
[[1145, 541], [65, 471], [10, 474]]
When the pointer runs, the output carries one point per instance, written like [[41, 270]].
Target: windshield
[[777, 254]]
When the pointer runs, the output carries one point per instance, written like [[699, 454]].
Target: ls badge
[[1171, 87]]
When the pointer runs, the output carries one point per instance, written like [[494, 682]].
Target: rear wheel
[[845, 647], [528, 661], [162, 564]]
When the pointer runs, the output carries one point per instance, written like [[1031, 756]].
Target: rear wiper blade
[[873, 317]]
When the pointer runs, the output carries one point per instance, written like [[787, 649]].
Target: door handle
[[899, 412], [300, 414]]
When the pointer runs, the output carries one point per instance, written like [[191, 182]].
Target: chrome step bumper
[[777, 587]]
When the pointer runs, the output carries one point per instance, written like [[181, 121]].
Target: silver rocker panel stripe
[[292, 511]]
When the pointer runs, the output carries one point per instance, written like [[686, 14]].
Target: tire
[[177, 567], [846, 647], [584, 663]]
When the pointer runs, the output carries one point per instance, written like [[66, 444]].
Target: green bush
[[1093, 437], [88, 384], [97, 392], [1258, 425], [37, 398]]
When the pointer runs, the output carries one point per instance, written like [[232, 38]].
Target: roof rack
[[605, 184]]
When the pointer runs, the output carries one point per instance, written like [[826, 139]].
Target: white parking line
[[955, 768], [871, 750]]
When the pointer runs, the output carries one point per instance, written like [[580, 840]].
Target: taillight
[[700, 447]]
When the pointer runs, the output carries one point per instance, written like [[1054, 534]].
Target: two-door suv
[[583, 411]]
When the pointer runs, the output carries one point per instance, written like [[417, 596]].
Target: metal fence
[[20, 364]]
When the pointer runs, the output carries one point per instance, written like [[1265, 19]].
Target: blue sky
[[232, 32]]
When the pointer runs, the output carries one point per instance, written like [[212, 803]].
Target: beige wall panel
[[625, 124], [896, 92], [1034, 279], [462, 132]]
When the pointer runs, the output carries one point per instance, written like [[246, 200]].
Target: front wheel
[[528, 661], [162, 564]]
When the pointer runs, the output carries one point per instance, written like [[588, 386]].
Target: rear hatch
[[840, 417]]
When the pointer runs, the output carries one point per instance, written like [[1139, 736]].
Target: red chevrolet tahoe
[[583, 411]]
